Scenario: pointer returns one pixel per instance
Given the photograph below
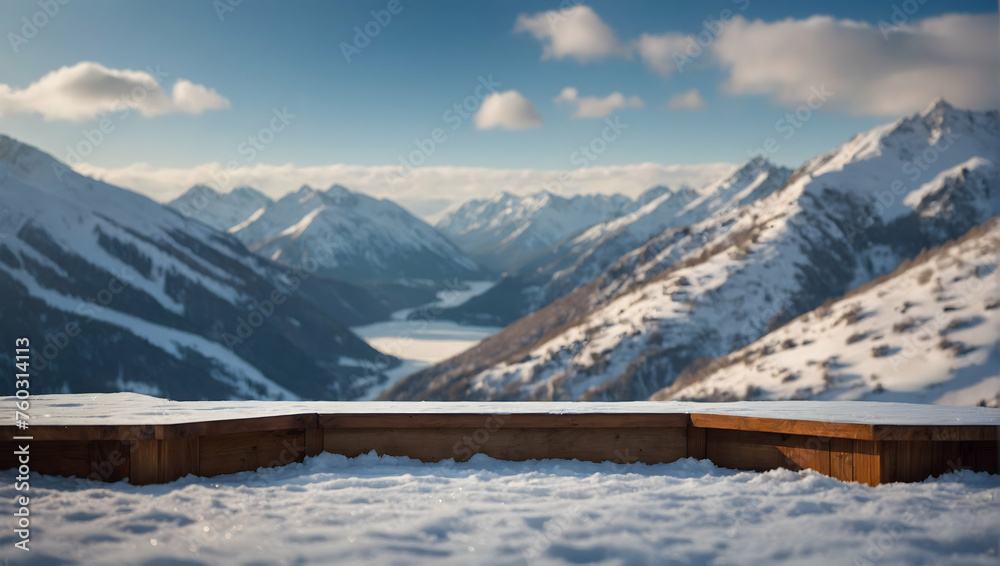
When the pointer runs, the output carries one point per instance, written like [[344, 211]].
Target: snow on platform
[[135, 409]]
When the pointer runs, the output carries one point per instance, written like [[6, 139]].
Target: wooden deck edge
[[525, 420], [870, 454]]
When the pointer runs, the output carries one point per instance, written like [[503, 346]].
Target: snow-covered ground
[[371, 510], [420, 343]]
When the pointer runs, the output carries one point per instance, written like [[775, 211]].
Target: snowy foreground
[[371, 510]]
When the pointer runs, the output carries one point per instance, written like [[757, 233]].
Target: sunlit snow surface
[[371, 510], [108, 409]]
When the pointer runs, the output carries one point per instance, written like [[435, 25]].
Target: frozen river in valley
[[421, 343]]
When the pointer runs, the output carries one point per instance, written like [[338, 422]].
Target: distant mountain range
[[119, 293], [336, 232], [765, 284], [504, 231], [717, 277], [574, 261]]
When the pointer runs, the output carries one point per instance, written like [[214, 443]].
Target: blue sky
[[266, 55]]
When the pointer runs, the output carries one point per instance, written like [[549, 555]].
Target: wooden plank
[[696, 442], [489, 421], [243, 451], [83, 433], [951, 433], [109, 459], [235, 426], [783, 426], [68, 459], [842, 458], [314, 441], [851, 452], [7, 458], [867, 462], [979, 456], [178, 458], [145, 462], [761, 451], [623, 445], [914, 461]]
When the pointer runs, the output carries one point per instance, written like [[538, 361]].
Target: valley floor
[[421, 343], [370, 510]]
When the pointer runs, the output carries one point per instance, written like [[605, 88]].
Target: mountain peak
[[17, 152], [338, 191], [198, 190], [651, 194], [939, 105], [250, 192]]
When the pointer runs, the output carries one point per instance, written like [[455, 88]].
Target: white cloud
[[192, 98], [509, 110], [868, 71], [661, 52], [87, 90], [594, 107], [424, 190], [575, 32], [690, 100]]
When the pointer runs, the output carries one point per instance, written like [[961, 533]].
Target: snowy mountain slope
[[117, 292], [708, 289], [352, 236], [222, 211], [927, 333], [580, 259], [503, 231]]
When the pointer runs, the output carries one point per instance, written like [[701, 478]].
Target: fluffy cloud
[[425, 190], [87, 90], [659, 51], [575, 32], [868, 69], [594, 107], [509, 110], [690, 100]]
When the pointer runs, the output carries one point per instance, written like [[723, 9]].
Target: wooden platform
[[871, 453]]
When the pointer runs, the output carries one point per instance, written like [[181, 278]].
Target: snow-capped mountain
[[222, 211], [579, 259], [118, 293], [927, 333], [707, 289], [504, 231], [343, 234]]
